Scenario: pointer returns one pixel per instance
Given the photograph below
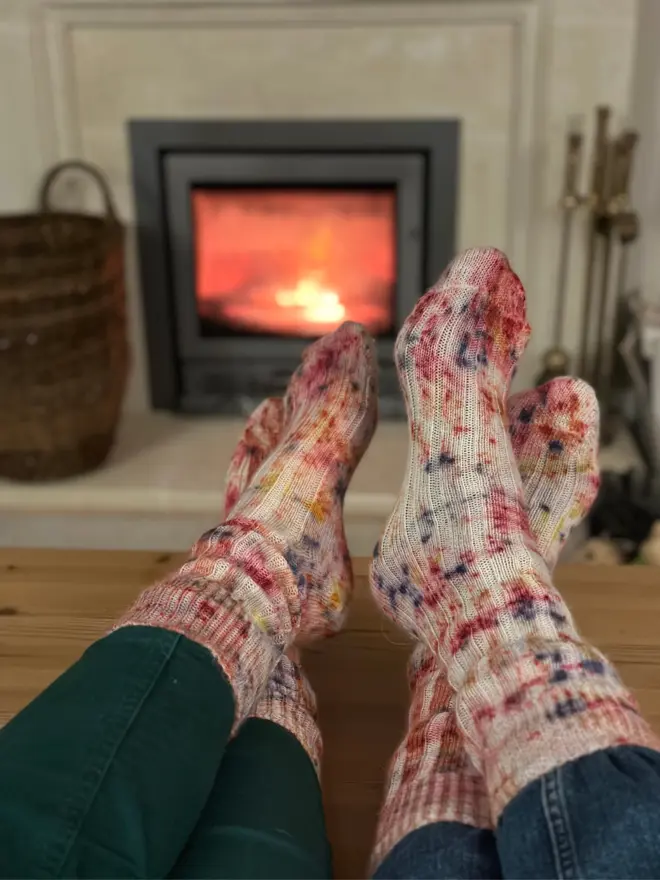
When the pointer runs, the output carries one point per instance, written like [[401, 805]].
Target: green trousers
[[123, 768]]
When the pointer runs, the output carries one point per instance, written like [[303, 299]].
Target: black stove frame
[[192, 373]]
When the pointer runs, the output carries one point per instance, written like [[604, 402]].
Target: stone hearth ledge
[[167, 464]]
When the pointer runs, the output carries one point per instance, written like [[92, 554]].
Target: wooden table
[[54, 603]]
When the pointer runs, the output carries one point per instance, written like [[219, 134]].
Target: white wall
[[645, 115], [71, 73]]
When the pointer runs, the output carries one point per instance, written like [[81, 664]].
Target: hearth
[[255, 238]]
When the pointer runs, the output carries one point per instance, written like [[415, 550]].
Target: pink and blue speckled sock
[[242, 592], [554, 431], [554, 435], [288, 699], [329, 573], [458, 566], [262, 432]]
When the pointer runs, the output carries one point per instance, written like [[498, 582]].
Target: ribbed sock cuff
[[609, 720], [525, 715], [246, 655], [297, 720], [430, 778], [453, 796], [289, 702]]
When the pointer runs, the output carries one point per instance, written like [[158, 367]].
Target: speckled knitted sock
[[242, 591], [290, 702], [554, 434], [261, 435], [430, 777], [458, 567], [289, 699], [331, 577]]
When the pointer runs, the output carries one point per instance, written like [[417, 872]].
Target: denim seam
[[568, 825], [558, 825], [78, 805]]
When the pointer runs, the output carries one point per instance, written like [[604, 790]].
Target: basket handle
[[88, 168]]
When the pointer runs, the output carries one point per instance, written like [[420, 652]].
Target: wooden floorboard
[[54, 603]]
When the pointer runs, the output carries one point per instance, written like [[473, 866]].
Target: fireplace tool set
[[612, 228]]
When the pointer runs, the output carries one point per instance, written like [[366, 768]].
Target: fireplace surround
[[256, 237]]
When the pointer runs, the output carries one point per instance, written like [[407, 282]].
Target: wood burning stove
[[256, 237]]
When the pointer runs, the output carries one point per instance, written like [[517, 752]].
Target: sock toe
[[475, 267], [474, 318], [558, 423], [554, 433], [350, 351]]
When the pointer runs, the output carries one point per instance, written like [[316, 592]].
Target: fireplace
[[255, 238]]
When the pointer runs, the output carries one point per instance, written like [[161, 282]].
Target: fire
[[319, 304], [294, 262]]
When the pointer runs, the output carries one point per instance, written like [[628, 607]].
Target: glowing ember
[[319, 305]]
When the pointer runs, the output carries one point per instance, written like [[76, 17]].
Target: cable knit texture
[[242, 592], [458, 566]]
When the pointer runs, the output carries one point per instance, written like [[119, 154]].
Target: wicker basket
[[63, 348]]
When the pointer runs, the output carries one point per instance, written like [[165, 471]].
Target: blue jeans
[[595, 817]]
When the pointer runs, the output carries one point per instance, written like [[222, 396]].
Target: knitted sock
[[290, 702], [457, 565], [554, 432], [261, 435], [431, 777], [331, 574], [289, 699], [240, 594]]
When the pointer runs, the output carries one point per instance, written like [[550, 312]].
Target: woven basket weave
[[63, 347]]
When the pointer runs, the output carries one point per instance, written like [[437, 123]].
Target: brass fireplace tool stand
[[611, 230]]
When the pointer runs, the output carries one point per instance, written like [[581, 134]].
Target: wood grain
[[54, 603]]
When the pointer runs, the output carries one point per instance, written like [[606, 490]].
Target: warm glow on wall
[[294, 262]]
